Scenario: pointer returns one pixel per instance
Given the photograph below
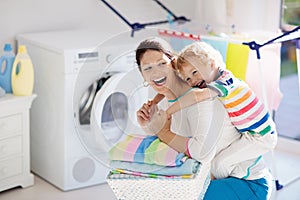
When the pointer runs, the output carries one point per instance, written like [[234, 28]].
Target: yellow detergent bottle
[[22, 76]]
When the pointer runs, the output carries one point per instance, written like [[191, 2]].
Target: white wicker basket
[[129, 187]]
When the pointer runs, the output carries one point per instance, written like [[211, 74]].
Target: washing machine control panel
[[117, 58], [87, 55], [112, 58], [81, 59]]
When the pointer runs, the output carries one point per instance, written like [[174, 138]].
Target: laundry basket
[[130, 187]]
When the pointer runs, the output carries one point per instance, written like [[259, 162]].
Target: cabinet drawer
[[10, 167], [9, 125], [10, 146]]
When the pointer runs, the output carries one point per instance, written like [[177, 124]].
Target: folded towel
[[149, 175], [190, 166], [146, 149]]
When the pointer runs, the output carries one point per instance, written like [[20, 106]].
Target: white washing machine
[[71, 69]]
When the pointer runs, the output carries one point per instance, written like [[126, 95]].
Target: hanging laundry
[[220, 45], [237, 59], [268, 81], [179, 37], [179, 43]]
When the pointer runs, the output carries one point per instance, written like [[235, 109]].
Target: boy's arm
[[158, 98], [191, 98]]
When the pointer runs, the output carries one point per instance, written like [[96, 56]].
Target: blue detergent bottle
[[6, 64]]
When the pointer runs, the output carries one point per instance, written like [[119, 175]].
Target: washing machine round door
[[113, 114]]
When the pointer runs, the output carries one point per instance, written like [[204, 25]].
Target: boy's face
[[196, 73], [193, 76]]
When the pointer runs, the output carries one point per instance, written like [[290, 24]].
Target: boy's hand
[[167, 125], [169, 115]]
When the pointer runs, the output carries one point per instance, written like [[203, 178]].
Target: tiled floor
[[289, 177], [286, 169], [42, 190]]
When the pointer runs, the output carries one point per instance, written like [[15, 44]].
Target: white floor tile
[[287, 166], [42, 190]]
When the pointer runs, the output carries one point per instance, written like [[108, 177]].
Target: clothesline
[[195, 37], [290, 35]]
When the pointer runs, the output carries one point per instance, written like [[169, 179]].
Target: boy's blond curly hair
[[203, 52]]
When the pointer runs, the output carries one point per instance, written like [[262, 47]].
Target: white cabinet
[[14, 141]]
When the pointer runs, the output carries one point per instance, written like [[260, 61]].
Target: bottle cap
[[22, 49], [7, 47]]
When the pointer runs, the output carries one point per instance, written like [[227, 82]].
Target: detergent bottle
[[22, 75], [6, 64]]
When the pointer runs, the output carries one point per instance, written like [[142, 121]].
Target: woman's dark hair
[[151, 44]]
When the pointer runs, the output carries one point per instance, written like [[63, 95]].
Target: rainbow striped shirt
[[246, 111]]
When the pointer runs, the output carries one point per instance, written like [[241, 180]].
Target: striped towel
[[151, 175], [190, 166], [146, 149]]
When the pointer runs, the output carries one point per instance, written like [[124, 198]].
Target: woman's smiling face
[[157, 70]]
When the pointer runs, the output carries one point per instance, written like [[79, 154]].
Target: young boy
[[202, 66]]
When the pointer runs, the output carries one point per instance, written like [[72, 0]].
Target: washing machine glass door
[[113, 114], [87, 99]]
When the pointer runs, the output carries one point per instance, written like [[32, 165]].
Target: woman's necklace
[[174, 100]]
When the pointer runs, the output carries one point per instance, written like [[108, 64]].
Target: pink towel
[[270, 65]]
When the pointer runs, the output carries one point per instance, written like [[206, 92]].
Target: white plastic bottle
[[22, 76]]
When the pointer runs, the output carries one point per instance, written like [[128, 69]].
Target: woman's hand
[[160, 125], [159, 122]]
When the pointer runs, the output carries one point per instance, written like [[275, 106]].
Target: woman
[[201, 131]]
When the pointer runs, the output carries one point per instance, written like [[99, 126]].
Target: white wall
[[246, 15], [19, 16]]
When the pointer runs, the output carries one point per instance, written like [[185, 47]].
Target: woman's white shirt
[[207, 124], [210, 131]]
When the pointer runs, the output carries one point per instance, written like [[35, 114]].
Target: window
[[290, 16], [286, 118], [290, 19]]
